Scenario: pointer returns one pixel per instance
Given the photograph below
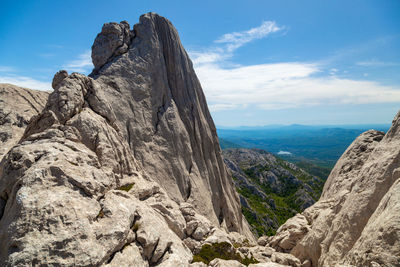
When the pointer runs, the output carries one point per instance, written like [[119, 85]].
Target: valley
[[271, 190]]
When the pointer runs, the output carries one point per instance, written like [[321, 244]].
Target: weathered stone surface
[[266, 264], [161, 112], [58, 78], [198, 264], [290, 233], [86, 185], [263, 240], [17, 106], [128, 256], [356, 221], [285, 259], [217, 236], [113, 40], [225, 263]]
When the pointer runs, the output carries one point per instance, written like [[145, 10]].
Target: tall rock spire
[[162, 112], [122, 168]]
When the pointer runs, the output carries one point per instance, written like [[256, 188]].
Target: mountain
[[121, 168], [356, 222], [271, 190], [318, 145]]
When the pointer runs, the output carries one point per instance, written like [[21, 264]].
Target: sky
[[259, 62]]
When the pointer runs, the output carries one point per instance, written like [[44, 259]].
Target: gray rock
[[58, 78], [225, 263], [266, 264], [113, 40], [162, 114], [17, 106], [118, 163], [263, 240]]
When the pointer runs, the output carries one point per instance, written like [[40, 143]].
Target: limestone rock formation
[[357, 220], [161, 112], [122, 167], [17, 106]]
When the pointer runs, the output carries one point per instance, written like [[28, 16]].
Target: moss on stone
[[126, 187], [223, 251]]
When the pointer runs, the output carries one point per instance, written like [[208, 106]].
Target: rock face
[[271, 190], [161, 112], [357, 220], [122, 168], [17, 106]]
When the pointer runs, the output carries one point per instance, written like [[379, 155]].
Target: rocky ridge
[[122, 167], [161, 112], [69, 198], [17, 106], [271, 190]]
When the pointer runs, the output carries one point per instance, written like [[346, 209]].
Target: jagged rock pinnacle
[[124, 162], [113, 40]]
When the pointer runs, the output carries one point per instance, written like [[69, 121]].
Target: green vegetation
[[136, 226], [100, 215], [226, 144], [223, 251], [266, 215], [313, 167], [259, 209], [126, 187]]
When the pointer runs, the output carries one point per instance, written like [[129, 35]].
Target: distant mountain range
[[376, 126], [317, 145]]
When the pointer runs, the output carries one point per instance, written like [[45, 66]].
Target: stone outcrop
[[122, 168], [161, 112], [356, 222], [17, 106]]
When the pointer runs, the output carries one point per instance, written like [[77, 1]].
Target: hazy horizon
[[356, 126]]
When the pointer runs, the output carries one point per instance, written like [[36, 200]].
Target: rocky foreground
[[17, 106], [123, 168]]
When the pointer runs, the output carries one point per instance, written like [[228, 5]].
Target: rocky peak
[[162, 113], [122, 168], [113, 40]]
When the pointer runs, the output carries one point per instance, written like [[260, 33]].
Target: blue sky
[[260, 62]]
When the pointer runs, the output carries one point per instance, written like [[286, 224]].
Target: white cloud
[[333, 71], [26, 82], [286, 85], [235, 40], [279, 85], [232, 41], [82, 64]]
